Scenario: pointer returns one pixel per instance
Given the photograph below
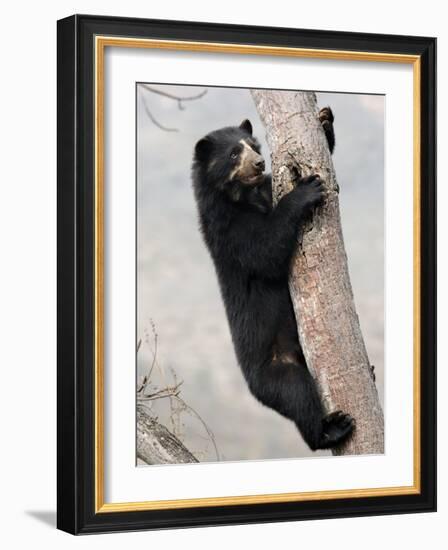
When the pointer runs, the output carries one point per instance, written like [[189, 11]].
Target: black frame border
[[75, 272]]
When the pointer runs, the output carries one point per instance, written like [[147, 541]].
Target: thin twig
[[147, 376], [163, 395], [165, 392], [207, 429], [177, 98], [155, 121], [154, 355], [171, 392]]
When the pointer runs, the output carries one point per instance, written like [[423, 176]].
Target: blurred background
[[181, 325]]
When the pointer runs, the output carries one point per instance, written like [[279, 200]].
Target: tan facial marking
[[245, 161]]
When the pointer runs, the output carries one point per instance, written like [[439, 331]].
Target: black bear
[[251, 244]]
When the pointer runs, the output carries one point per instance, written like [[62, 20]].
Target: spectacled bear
[[251, 244]]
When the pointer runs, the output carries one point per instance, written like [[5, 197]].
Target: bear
[[251, 243]]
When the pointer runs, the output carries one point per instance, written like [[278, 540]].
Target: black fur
[[251, 244], [326, 117]]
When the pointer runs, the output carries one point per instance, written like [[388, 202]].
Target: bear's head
[[229, 157]]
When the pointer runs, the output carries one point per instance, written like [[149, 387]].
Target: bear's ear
[[246, 126], [203, 149]]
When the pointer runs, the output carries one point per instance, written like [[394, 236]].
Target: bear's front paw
[[336, 428], [326, 115], [312, 190], [326, 118]]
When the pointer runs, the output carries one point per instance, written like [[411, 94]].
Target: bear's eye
[[234, 155]]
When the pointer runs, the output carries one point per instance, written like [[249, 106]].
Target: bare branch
[[156, 444], [165, 392], [171, 392], [155, 121], [207, 429], [177, 98]]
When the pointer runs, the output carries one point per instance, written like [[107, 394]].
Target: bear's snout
[[259, 163]]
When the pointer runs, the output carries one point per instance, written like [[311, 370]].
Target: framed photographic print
[[246, 274]]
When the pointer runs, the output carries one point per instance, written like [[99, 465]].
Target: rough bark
[[320, 287], [156, 444]]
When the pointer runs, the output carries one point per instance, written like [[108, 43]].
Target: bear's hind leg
[[289, 388]]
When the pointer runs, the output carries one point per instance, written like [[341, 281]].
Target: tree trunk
[[320, 287], [156, 444]]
